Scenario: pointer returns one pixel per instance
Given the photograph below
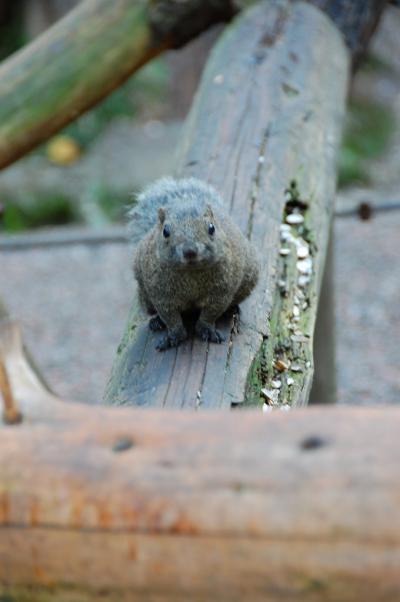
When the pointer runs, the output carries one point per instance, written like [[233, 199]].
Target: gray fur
[[187, 195], [204, 262]]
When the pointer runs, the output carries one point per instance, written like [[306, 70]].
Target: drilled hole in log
[[122, 444], [312, 442]]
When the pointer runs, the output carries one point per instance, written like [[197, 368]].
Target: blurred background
[[72, 301]]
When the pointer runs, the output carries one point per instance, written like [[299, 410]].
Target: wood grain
[[268, 112], [215, 506]]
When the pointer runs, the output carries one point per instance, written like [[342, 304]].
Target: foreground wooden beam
[[264, 130], [84, 57], [121, 504]]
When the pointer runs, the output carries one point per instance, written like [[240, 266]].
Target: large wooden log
[[264, 129], [117, 504], [84, 57]]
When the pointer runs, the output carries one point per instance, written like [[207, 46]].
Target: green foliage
[[367, 135], [12, 34], [112, 204], [376, 64], [55, 209]]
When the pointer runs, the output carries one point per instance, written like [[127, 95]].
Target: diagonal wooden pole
[[11, 414], [84, 57]]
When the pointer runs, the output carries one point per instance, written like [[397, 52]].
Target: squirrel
[[189, 256]]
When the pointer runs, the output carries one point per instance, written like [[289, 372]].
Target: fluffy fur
[[189, 256]]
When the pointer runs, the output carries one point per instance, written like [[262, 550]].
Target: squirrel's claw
[[208, 333], [171, 340], [167, 342], [156, 324]]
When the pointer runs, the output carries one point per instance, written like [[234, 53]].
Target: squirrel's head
[[189, 237]]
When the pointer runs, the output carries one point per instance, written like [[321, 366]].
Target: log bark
[[264, 130], [84, 57], [356, 19], [121, 504]]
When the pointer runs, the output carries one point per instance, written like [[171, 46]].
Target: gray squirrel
[[189, 256]]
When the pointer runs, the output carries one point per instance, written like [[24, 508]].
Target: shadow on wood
[[324, 383]]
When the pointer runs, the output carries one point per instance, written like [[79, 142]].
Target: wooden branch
[[123, 504], [264, 130], [19, 375], [356, 19], [84, 57], [11, 414]]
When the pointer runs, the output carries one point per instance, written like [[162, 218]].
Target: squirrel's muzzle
[[189, 252]]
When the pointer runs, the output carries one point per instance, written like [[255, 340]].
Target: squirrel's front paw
[[172, 339], [209, 333], [156, 324]]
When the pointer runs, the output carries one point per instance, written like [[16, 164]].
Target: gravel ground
[[72, 303], [367, 285]]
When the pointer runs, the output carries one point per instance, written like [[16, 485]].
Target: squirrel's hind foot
[[172, 339], [209, 333], [156, 324]]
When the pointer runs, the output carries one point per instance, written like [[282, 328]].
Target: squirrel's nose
[[189, 252]]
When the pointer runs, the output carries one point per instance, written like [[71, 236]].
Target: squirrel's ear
[[161, 215], [209, 212]]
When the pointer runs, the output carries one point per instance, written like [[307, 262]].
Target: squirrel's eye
[[211, 229], [166, 231]]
